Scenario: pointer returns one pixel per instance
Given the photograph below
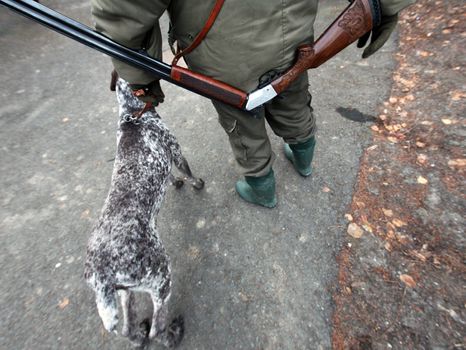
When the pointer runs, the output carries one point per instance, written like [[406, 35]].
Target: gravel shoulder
[[402, 270]]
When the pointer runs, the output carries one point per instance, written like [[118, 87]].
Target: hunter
[[249, 42]]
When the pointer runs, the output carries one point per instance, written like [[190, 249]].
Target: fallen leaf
[[355, 231], [64, 303], [387, 212], [393, 100], [367, 227], [422, 180], [194, 252], [426, 122], [420, 144], [388, 246], [408, 280], [375, 128], [457, 95], [326, 189], [418, 255], [459, 163], [243, 297], [403, 239], [371, 148], [446, 121], [392, 139], [349, 217], [85, 214], [422, 158], [398, 223]]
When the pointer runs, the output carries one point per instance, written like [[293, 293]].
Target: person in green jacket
[[248, 39]]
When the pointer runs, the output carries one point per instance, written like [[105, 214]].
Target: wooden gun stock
[[355, 21], [209, 87]]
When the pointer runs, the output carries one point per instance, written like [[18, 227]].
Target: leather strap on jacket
[[202, 34]]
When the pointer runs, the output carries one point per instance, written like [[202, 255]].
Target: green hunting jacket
[[249, 37]]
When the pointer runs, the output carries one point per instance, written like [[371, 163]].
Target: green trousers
[[289, 115]]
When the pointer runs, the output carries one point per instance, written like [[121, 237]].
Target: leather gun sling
[[202, 34]]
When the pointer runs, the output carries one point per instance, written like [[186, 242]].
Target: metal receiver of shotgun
[[355, 21]]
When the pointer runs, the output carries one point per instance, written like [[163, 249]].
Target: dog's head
[[131, 106]]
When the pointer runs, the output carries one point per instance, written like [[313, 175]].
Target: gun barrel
[[199, 84]]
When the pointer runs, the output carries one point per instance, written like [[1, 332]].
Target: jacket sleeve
[[132, 23], [392, 7]]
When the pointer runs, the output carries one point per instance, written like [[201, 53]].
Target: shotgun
[[355, 21]]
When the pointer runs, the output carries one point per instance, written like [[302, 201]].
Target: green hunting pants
[[289, 116]]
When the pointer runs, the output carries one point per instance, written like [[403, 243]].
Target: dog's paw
[[139, 337], [178, 183], [198, 184], [175, 332], [143, 329]]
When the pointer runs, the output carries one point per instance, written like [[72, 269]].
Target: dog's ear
[[113, 80]]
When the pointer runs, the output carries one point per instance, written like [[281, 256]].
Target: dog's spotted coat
[[124, 251]]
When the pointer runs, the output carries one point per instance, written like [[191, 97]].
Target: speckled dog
[[124, 252]]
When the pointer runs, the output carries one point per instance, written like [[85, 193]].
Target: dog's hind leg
[[107, 307], [127, 299], [169, 336], [176, 181], [182, 164]]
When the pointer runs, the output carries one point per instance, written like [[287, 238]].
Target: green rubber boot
[[258, 190], [301, 155]]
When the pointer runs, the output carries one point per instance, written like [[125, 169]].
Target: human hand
[[149, 93], [379, 35]]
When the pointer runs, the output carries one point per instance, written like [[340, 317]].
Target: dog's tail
[[105, 298]]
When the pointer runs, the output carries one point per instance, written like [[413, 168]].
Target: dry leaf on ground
[[459, 163], [387, 212], [408, 280], [422, 180], [64, 303], [398, 223], [355, 231]]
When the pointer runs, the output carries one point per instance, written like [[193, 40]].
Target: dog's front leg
[[159, 318]]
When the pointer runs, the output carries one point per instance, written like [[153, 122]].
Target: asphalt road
[[244, 277]]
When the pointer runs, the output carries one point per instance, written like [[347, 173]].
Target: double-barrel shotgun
[[355, 21]]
